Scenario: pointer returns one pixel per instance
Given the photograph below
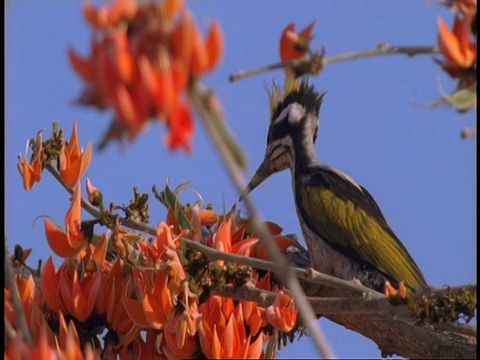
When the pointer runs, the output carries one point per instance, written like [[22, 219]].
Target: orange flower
[[295, 46], [94, 195], [208, 217], [140, 75], [283, 313], [456, 46], [207, 55], [254, 316], [222, 240], [114, 287], [32, 173], [71, 242], [68, 340], [283, 243], [153, 307], [50, 287], [73, 162], [180, 124], [28, 295], [223, 333], [180, 332], [65, 291], [18, 349], [20, 256]]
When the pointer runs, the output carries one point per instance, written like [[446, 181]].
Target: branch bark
[[380, 50]]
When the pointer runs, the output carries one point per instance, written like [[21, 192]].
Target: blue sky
[[372, 126]]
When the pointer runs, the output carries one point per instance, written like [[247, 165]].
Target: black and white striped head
[[293, 128]]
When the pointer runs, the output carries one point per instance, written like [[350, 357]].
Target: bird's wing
[[345, 215]]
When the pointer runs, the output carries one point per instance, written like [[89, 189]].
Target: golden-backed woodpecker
[[345, 231]]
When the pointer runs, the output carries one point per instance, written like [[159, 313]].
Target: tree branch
[[381, 49], [393, 329]]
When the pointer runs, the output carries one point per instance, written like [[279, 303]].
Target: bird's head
[[293, 122]]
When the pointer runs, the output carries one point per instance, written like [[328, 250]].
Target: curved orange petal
[[217, 350], [182, 37], [100, 251], [181, 127], [229, 340], [72, 293], [135, 312], [287, 52], [244, 247], [156, 313], [224, 235], [73, 216], [82, 66], [121, 56], [172, 220], [27, 172], [274, 228], [306, 34], [73, 146], [255, 349], [96, 17], [180, 77], [70, 172], [214, 46], [461, 29], [58, 242], [125, 9], [199, 59], [449, 45], [50, 288], [172, 7], [208, 217], [86, 158], [90, 291], [165, 96], [283, 243]]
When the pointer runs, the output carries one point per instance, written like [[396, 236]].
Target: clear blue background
[[410, 158]]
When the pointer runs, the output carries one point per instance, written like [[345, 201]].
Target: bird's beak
[[262, 173]]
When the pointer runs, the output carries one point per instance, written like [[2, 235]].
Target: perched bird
[[345, 231]]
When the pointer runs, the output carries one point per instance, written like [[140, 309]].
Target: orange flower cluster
[[459, 45], [144, 291], [147, 291], [143, 58], [73, 161], [32, 173], [63, 344]]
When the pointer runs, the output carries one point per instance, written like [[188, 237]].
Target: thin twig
[[199, 96], [309, 275], [381, 49]]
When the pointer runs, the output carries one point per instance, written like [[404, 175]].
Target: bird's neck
[[304, 153]]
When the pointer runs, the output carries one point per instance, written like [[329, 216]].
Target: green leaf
[[172, 202], [461, 99]]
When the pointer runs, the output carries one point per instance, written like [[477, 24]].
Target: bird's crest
[[293, 90]]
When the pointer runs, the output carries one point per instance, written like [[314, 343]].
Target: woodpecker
[[345, 231]]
